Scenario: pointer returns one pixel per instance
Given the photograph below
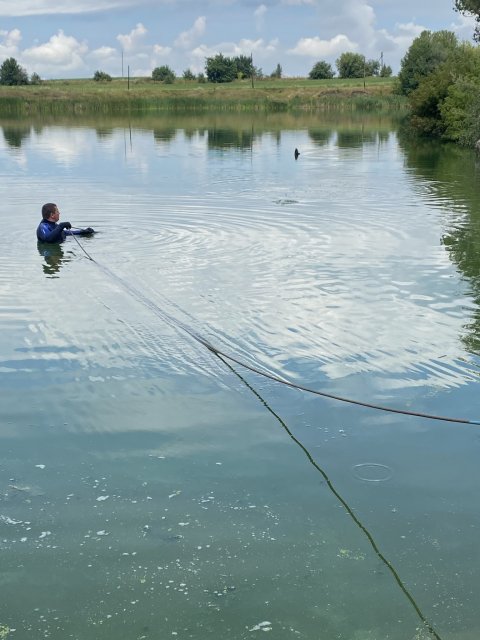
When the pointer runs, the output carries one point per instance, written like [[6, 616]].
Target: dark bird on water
[[297, 153]]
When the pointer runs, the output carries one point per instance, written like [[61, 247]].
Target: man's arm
[[56, 235], [81, 232]]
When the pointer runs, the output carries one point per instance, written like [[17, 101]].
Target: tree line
[[218, 68], [441, 78], [439, 75], [350, 65], [221, 68]]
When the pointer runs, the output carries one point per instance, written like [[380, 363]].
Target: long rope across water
[[178, 324], [427, 625], [224, 358]]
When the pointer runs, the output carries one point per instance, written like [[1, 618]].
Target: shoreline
[[141, 94]]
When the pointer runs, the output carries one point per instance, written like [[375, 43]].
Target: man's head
[[50, 211]]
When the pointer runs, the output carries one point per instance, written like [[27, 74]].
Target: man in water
[[50, 231]]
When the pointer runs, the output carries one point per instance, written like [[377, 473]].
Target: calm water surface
[[148, 490]]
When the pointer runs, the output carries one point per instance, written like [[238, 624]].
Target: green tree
[[163, 74], [426, 53], [321, 71], [11, 73], [372, 68], [385, 71], [460, 110], [35, 79], [426, 100], [244, 66], [219, 68], [470, 7], [188, 75], [351, 65], [445, 101], [277, 73], [101, 76]]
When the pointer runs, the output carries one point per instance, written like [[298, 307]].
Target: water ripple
[[320, 272], [270, 283]]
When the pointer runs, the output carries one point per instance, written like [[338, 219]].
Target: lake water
[[150, 489]]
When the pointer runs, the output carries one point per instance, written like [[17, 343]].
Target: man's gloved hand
[[65, 225], [87, 232]]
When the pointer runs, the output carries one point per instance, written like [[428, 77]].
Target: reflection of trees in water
[[54, 257], [224, 130], [464, 251], [320, 136], [383, 136], [191, 132], [15, 135], [164, 135], [350, 138], [104, 133], [355, 139], [454, 177], [237, 138]]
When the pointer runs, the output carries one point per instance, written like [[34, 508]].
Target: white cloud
[[465, 27], [132, 40], [159, 50], [65, 7], [186, 39], [259, 15], [11, 38], [243, 47], [160, 55], [9, 43], [142, 63], [204, 51], [400, 40], [61, 53], [104, 53], [66, 150], [297, 2], [317, 48], [362, 15], [319, 29], [105, 59]]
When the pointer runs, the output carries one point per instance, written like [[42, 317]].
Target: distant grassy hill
[[270, 95]]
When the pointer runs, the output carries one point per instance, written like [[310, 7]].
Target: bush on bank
[[441, 77]]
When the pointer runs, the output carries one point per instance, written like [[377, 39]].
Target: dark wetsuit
[[48, 231]]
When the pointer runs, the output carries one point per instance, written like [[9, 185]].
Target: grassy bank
[[142, 94]]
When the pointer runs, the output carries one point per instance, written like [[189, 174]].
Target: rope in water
[[225, 360], [428, 626], [176, 323]]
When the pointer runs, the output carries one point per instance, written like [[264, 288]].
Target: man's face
[[55, 215]]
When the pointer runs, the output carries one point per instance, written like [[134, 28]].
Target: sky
[[75, 38]]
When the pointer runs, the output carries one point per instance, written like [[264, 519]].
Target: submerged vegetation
[[123, 95], [4, 631]]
